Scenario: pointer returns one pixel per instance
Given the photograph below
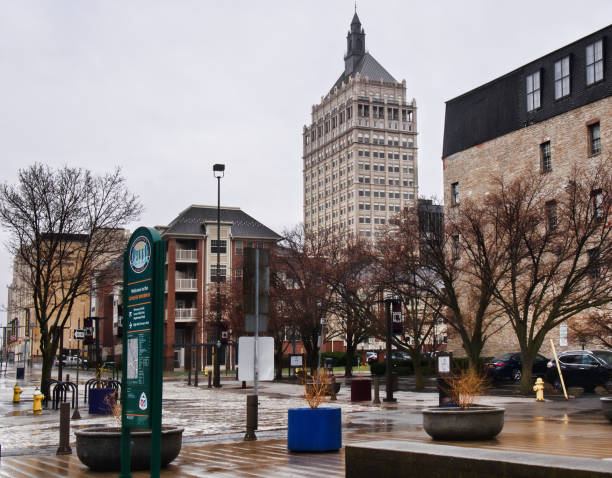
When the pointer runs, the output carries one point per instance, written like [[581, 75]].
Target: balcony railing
[[186, 255], [185, 313], [186, 284]]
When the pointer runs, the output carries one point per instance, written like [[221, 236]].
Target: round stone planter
[[606, 406], [361, 390], [475, 423], [100, 447], [314, 429]]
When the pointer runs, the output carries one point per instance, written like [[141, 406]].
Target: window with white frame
[[218, 246], [562, 78], [222, 272], [533, 91], [594, 62]]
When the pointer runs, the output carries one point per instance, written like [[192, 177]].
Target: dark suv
[[582, 368]]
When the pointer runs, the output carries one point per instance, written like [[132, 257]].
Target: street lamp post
[[219, 172], [389, 363]]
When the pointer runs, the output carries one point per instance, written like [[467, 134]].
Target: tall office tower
[[360, 150]]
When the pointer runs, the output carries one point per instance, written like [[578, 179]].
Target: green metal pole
[[156, 365]]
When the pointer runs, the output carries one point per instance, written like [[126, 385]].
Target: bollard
[[376, 400], [332, 384], [210, 380], [243, 384], [251, 424], [64, 431]]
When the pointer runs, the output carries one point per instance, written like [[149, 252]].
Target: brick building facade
[[546, 116]]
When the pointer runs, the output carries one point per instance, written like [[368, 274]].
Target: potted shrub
[[466, 420], [99, 447], [315, 428]]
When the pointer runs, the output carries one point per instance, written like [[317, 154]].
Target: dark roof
[[191, 222], [500, 106], [367, 66]]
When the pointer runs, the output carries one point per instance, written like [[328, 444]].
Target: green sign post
[[143, 327]]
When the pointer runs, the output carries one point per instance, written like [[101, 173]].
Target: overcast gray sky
[[167, 88]]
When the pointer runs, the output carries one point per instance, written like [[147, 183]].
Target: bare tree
[[353, 292], [399, 271], [64, 226], [558, 247], [595, 328], [301, 287], [460, 267]]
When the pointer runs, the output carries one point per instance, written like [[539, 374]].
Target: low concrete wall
[[392, 459]]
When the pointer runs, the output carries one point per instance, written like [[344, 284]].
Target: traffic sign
[[79, 334]]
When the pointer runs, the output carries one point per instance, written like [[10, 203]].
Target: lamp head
[[219, 170]]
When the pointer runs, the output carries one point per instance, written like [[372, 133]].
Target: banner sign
[[141, 275]]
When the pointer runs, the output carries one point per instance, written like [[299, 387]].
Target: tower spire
[[355, 44]]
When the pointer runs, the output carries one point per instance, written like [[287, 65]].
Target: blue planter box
[[97, 403], [314, 429]]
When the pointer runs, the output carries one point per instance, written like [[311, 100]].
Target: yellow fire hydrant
[[16, 392], [538, 388], [38, 398]]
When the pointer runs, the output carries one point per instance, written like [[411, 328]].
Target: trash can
[[361, 390], [329, 363], [20, 373]]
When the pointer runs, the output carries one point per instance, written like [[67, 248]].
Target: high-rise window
[[562, 78], [594, 139], [598, 204], [594, 62], [533, 91], [545, 159], [454, 194], [455, 247], [551, 215]]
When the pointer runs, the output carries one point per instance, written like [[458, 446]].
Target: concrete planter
[[314, 429], [100, 447], [475, 423], [606, 406]]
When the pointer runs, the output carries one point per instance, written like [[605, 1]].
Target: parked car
[[509, 366], [371, 357], [582, 368], [399, 355]]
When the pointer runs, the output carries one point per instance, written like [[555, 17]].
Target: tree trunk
[[348, 366], [47, 364], [527, 375]]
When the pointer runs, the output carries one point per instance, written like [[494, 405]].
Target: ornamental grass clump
[[465, 387], [316, 390]]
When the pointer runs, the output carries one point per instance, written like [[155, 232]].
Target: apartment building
[[191, 271], [360, 149]]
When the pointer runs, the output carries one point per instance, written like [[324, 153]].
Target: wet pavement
[[214, 421]]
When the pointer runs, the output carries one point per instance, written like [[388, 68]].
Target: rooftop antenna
[[355, 6]]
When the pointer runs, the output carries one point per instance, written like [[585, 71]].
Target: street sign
[[265, 358], [79, 334], [143, 322]]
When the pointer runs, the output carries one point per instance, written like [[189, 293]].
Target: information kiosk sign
[[143, 302]]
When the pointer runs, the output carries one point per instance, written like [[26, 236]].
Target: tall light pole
[[219, 172]]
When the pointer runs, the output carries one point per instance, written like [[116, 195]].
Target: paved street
[[214, 428]]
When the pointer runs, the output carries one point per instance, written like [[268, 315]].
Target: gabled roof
[[191, 222], [367, 66]]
